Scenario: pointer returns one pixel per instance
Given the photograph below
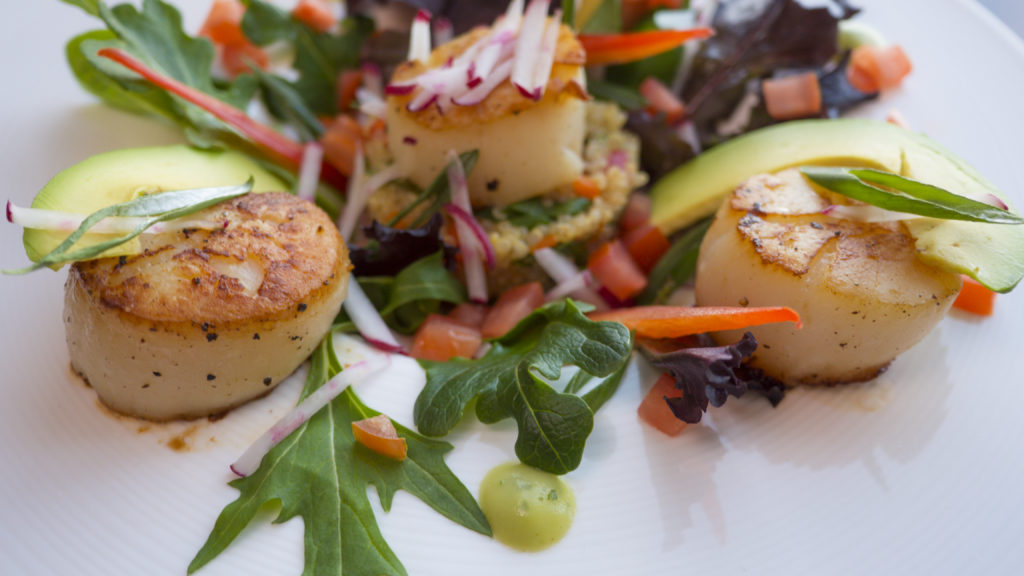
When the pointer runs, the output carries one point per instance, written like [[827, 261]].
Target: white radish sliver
[[419, 37], [528, 45], [367, 320], [309, 172], [354, 199], [473, 257], [250, 460]]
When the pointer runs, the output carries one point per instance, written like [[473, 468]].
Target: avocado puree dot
[[528, 509]]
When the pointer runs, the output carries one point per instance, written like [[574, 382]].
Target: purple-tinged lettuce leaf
[[390, 250], [709, 375]]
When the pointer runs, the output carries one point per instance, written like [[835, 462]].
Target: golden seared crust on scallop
[[204, 320], [862, 293]]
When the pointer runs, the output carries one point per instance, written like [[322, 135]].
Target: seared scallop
[[862, 293], [205, 320], [527, 148]]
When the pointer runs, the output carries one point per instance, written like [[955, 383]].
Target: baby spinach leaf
[[321, 474], [900, 194], [514, 379], [419, 290]]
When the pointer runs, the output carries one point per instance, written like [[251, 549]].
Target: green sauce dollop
[[528, 509]]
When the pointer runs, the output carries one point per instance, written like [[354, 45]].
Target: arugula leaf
[[155, 36], [537, 212], [152, 208], [513, 379], [901, 194], [320, 473], [319, 58]]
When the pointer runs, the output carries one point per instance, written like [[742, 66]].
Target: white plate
[[916, 472]]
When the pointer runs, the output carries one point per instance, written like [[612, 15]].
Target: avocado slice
[[120, 175], [992, 254]]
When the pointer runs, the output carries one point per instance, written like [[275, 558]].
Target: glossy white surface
[[916, 472]]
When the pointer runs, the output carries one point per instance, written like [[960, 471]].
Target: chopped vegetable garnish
[[873, 68], [975, 298], [794, 96], [512, 306], [442, 338], [656, 412], [615, 269], [679, 321], [379, 434]]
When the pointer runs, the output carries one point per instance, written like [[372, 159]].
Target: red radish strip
[[546, 59], [250, 460], [580, 281], [373, 80], [400, 88], [419, 37], [473, 257], [368, 321], [355, 200], [502, 46], [443, 31], [283, 148], [40, 219], [562, 270], [528, 47], [865, 213], [358, 196], [993, 200], [478, 93], [422, 101], [483, 242], [618, 159], [371, 104], [309, 172]]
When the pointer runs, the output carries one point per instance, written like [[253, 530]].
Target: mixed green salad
[[269, 80]]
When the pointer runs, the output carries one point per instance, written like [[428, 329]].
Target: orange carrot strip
[[621, 48], [975, 298], [678, 321]]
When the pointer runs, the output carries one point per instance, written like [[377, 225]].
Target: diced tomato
[[872, 68], [585, 187], [349, 82], [223, 24], [646, 245], [661, 100], [636, 213], [440, 339], [975, 298], [469, 314], [379, 434], [654, 411], [615, 269], [340, 142], [315, 14], [795, 96], [239, 58], [512, 306]]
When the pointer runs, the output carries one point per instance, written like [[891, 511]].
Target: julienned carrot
[[621, 48], [283, 148], [679, 321], [975, 298]]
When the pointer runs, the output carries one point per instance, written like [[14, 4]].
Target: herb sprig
[[153, 208], [900, 194]]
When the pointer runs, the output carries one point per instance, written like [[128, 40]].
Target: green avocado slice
[[992, 254], [121, 175]]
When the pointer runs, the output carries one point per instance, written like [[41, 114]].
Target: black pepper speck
[[210, 377], [211, 336]]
